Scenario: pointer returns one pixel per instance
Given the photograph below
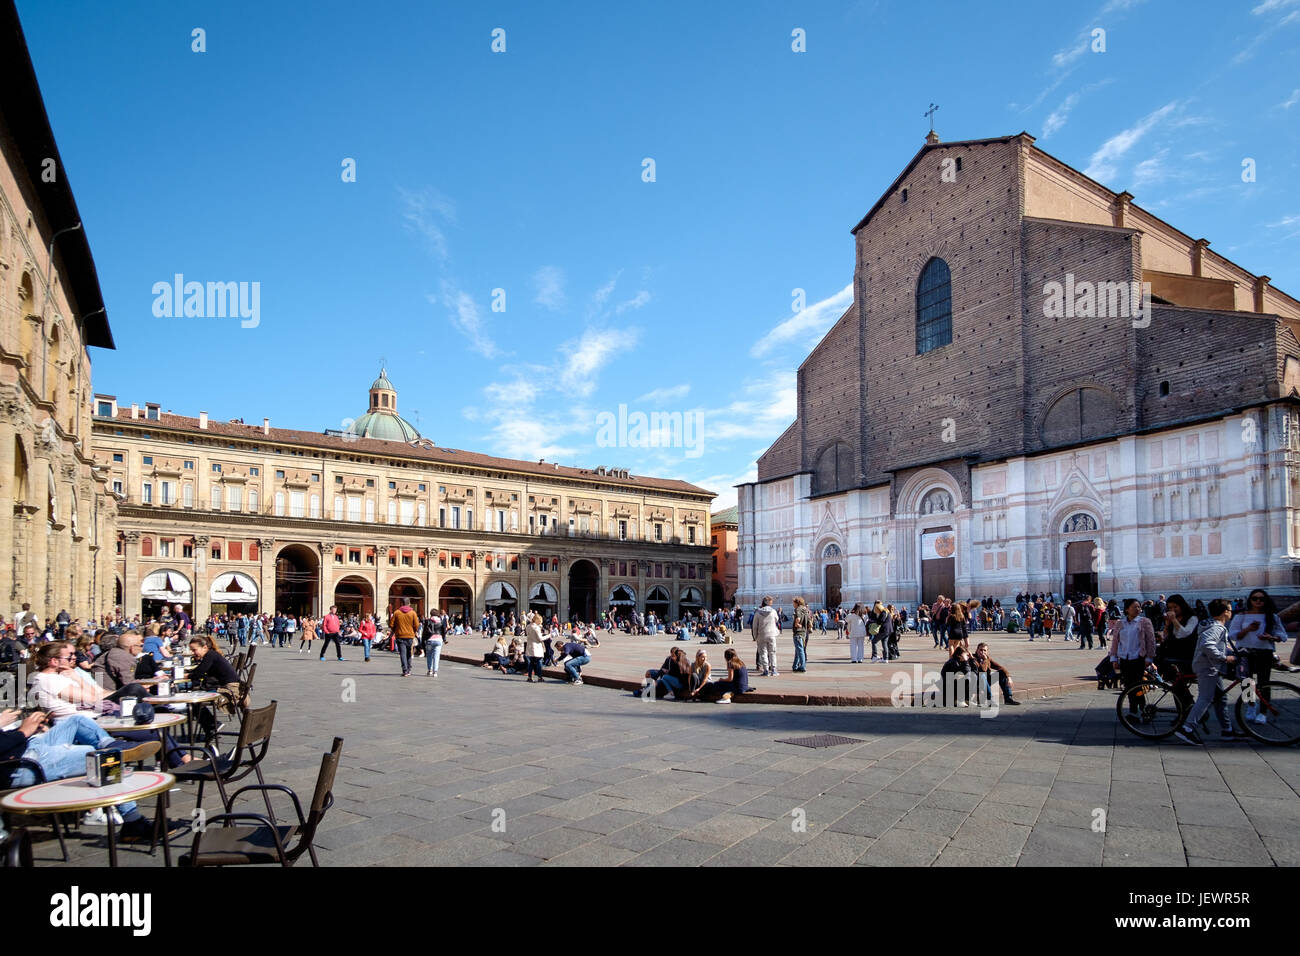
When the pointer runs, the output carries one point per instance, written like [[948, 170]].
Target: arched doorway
[[658, 603], [543, 599], [406, 591], [118, 593], [165, 588], [500, 598], [297, 588], [622, 600], [692, 601], [832, 576], [456, 598], [584, 579], [354, 595], [719, 596], [1079, 534], [233, 593]]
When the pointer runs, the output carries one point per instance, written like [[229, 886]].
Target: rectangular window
[[315, 477], [613, 568], [455, 516], [715, 564], [690, 534], [469, 518], [338, 479], [252, 501], [147, 496], [166, 490], [255, 472], [514, 563], [279, 474], [370, 510], [117, 487], [442, 517], [659, 570], [187, 550], [165, 546], [216, 552], [622, 531], [392, 557], [147, 459], [455, 560], [501, 520], [354, 509], [659, 532], [571, 528], [622, 568], [690, 571], [532, 564], [338, 507], [407, 559], [279, 504], [422, 487], [297, 504], [545, 563], [420, 560], [392, 486], [105, 409], [189, 466], [315, 506], [235, 551], [354, 556], [235, 498], [151, 413], [408, 513], [370, 482], [217, 469], [532, 524], [117, 457]]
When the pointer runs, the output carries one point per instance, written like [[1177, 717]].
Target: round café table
[[192, 699], [76, 794], [160, 722]]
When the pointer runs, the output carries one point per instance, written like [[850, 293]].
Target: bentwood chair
[[7, 770], [222, 843], [254, 740]]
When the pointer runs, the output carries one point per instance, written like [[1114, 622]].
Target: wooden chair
[[253, 741], [266, 841]]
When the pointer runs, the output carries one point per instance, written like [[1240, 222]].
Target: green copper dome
[[386, 426], [382, 381]]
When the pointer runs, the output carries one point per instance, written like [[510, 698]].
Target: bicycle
[[1154, 708]]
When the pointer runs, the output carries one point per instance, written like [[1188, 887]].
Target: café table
[[76, 794]]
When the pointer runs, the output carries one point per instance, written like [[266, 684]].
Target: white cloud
[[1291, 100], [811, 323], [1150, 170], [601, 295], [670, 394], [466, 318], [1102, 165], [1268, 6], [638, 300], [766, 407], [1059, 115], [583, 360], [425, 211], [548, 288]]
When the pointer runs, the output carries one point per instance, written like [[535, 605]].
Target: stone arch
[[835, 468], [919, 485], [1081, 411]]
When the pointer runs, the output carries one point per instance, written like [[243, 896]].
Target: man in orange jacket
[[404, 624]]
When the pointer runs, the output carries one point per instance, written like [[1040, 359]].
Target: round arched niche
[[1080, 414]]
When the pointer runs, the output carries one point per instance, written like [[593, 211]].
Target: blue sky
[[523, 171]]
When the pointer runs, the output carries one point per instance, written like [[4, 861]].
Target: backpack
[[146, 667]]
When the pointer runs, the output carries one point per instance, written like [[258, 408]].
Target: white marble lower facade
[[1203, 510]]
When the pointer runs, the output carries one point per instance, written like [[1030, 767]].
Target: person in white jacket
[[766, 627], [857, 634], [1210, 660]]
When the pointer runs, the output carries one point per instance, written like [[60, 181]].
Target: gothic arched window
[[835, 470], [1079, 522], [933, 307]]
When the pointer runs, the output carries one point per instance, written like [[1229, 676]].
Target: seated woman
[[701, 671], [673, 676], [61, 692], [213, 672], [737, 682], [955, 673], [499, 655]]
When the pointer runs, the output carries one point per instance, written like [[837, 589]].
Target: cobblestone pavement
[[475, 768]]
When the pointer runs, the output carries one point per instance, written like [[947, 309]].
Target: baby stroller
[[1107, 677]]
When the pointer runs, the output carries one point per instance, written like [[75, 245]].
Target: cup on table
[[128, 706]]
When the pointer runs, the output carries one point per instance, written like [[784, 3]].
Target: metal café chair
[[253, 741], [266, 841]]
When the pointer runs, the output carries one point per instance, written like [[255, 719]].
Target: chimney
[[1198, 256], [135, 410], [1261, 285], [203, 420], [1120, 212], [266, 426]]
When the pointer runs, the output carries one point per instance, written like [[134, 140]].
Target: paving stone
[[899, 847], [756, 851], [593, 854], [1062, 846], [1219, 843], [940, 823], [725, 829], [676, 852], [830, 849]]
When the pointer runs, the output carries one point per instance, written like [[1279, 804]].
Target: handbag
[[873, 628]]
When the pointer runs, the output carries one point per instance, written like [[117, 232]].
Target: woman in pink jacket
[[367, 630]]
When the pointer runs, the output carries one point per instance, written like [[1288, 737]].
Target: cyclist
[[1177, 646], [1132, 645], [1209, 661], [1257, 631]]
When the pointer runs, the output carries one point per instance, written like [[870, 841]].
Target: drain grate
[[820, 740]]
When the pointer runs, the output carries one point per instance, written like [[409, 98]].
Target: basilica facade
[[1039, 386]]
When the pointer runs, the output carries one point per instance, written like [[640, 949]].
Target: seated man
[[576, 654], [61, 753], [673, 676], [984, 667], [118, 663]]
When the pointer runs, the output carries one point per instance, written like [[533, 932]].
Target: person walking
[[1209, 661], [1132, 645], [433, 644], [404, 624], [331, 630], [367, 629], [534, 648], [766, 627], [876, 628], [802, 629], [1068, 615], [1085, 625], [1256, 632], [308, 634]]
